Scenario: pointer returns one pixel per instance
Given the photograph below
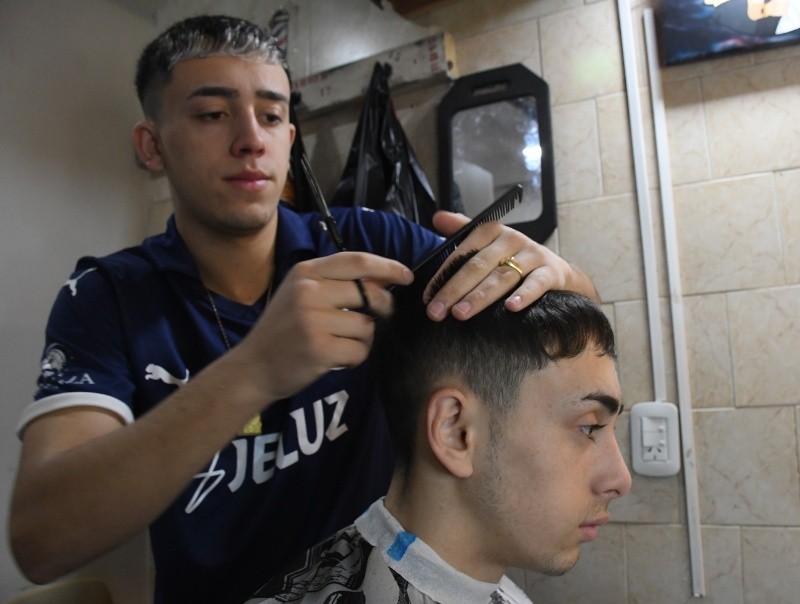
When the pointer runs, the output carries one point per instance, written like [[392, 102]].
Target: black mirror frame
[[491, 86]]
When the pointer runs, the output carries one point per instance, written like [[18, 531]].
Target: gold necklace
[[252, 427], [219, 318]]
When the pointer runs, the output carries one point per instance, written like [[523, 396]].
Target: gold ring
[[511, 262]]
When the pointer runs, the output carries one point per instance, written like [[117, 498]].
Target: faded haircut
[[197, 38], [491, 352]]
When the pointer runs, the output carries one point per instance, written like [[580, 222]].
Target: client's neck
[[433, 508]]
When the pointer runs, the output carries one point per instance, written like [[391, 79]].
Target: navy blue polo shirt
[[128, 329]]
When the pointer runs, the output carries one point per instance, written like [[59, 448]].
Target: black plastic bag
[[382, 171]]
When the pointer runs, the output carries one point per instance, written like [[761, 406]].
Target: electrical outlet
[[655, 439]]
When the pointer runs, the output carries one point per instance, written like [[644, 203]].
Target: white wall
[[68, 185]]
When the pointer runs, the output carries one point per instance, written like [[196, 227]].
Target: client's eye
[[589, 429]]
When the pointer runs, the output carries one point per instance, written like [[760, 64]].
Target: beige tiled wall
[[734, 137]]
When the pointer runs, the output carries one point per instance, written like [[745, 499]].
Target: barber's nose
[[248, 137]]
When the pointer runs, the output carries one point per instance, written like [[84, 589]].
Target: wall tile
[[753, 118], [709, 353], [470, 17], [581, 53], [615, 145], [788, 187], [659, 570], [776, 54], [602, 237], [747, 467], [765, 342], [599, 575], [728, 235], [634, 352], [797, 422], [686, 132], [721, 64], [576, 151], [770, 563], [514, 44]]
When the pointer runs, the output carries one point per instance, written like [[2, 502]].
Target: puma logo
[[155, 372], [73, 283]]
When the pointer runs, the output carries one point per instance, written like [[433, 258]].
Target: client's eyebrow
[[609, 402], [232, 93]]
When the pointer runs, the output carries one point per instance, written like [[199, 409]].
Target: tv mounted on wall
[[691, 30]]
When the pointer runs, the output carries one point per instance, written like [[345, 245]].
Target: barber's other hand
[[310, 325], [483, 279]]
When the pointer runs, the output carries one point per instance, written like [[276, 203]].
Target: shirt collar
[[293, 242]]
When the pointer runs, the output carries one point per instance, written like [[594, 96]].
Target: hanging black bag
[[382, 171]]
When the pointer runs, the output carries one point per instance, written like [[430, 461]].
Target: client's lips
[[591, 529]]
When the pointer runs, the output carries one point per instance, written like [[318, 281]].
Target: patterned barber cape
[[376, 561]]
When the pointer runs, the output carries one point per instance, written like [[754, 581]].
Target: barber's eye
[[272, 118]]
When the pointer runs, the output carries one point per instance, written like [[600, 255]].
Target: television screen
[[690, 30]]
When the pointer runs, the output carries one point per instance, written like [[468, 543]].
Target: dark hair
[[195, 38], [491, 352]]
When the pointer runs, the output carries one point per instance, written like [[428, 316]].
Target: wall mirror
[[494, 132]]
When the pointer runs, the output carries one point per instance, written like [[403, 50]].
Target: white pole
[[676, 304], [643, 198]]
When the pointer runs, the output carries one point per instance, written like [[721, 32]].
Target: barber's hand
[[310, 325], [484, 279]]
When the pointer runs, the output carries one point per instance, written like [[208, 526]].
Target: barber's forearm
[[74, 500]]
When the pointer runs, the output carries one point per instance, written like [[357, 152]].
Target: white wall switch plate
[[655, 439]]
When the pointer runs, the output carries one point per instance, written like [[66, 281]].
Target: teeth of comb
[[499, 208]]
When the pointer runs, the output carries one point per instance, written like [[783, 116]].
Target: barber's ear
[[146, 145], [451, 428]]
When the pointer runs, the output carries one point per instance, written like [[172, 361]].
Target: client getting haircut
[[491, 352]]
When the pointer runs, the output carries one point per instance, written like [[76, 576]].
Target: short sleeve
[[85, 361]]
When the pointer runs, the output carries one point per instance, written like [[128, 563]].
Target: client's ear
[[451, 429]]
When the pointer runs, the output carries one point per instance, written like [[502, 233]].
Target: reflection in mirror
[[494, 132], [494, 147]]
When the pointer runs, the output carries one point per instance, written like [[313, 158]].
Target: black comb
[[427, 267]]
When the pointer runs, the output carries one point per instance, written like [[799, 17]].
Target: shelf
[[428, 60]]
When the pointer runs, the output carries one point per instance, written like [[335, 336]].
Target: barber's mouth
[[251, 181]]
